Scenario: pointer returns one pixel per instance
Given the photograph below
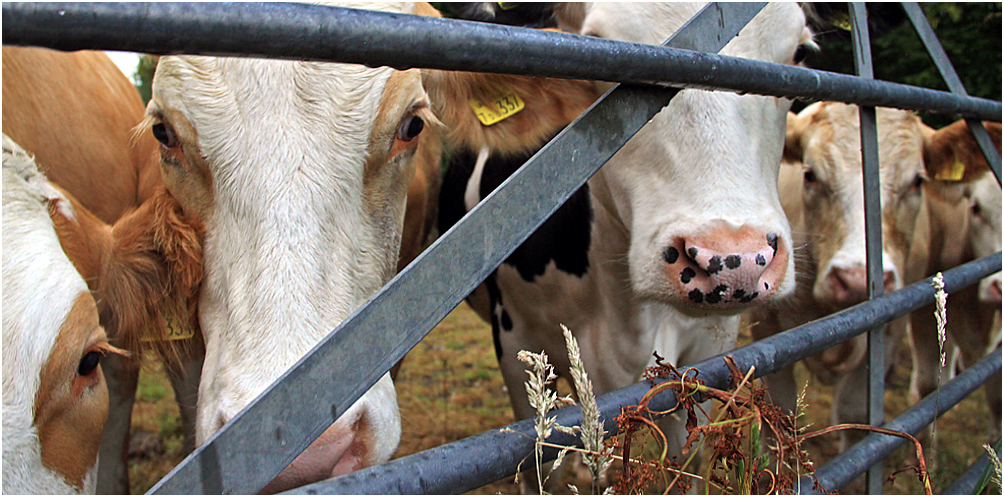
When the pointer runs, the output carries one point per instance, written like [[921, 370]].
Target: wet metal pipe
[[312, 32]]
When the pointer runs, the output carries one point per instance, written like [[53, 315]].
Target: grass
[[450, 387]]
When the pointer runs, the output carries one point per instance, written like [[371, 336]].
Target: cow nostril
[[670, 255], [772, 241]]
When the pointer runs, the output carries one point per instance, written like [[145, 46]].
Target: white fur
[[707, 158], [40, 286], [294, 243], [985, 230]]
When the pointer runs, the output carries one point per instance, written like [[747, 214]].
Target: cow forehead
[[833, 138], [40, 283]]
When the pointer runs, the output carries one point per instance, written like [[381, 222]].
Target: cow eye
[[917, 182], [810, 178], [800, 53], [976, 209], [410, 128], [89, 363], [165, 135]]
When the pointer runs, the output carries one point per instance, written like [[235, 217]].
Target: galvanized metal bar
[[873, 230], [312, 32], [267, 435], [841, 470], [944, 64], [967, 483], [467, 464]]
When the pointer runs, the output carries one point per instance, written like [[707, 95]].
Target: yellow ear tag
[[496, 109], [173, 330], [955, 173]]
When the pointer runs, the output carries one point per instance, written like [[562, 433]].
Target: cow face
[[985, 231], [55, 401], [697, 187], [826, 138], [961, 177], [299, 171]]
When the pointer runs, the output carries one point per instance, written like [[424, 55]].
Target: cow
[[55, 401], [659, 252], [964, 200], [301, 173], [821, 190], [75, 111]]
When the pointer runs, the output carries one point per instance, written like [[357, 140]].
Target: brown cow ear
[[951, 154], [793, 139]]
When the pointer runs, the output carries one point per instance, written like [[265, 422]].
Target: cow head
[[55, 401], [299, 172], [825, 137], [696, 189], [961, 177]]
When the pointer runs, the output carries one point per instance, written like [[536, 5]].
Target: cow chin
[[366, 435]]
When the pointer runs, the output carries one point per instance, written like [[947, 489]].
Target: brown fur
[[148, 265], [551, 104], [70, 410], [956, 143], [74, 111]]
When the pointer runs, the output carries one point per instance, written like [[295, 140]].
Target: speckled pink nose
[[726, 268]]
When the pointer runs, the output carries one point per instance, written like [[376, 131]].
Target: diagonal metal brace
[[937, 52]]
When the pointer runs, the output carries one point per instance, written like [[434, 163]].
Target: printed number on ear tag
[[174, 329], [496, 109]]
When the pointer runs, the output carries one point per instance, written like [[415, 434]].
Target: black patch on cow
[[738, 294], [772, 241], [749, 297], [505, 321], [670, 255], [715, 295], [733, 261], [714, 265], [563, 238], [696, 296], [692, 252], [687, 274], [760, 260]]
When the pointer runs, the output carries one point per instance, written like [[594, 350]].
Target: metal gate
[[246, 454]]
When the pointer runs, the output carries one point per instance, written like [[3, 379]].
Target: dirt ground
[[450, 388]]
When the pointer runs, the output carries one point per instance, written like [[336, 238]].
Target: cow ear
[[951, 154], [793, 139]]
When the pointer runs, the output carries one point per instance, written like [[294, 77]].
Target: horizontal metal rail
[[312, 32], [265, 437], [470, 463], [842, 469], [967, 483]]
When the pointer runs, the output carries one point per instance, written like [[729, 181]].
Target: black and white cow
[[663, 248]]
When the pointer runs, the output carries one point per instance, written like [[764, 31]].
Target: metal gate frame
[[261, 440]]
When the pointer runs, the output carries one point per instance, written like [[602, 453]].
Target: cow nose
[[849, 286], [727, 268]]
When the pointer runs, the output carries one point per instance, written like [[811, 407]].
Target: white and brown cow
[[822, 191], [299, 171], [964, 201], [55, 401], [668, 242], [75, 112]]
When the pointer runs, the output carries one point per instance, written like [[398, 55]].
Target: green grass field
[[450, 388]]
